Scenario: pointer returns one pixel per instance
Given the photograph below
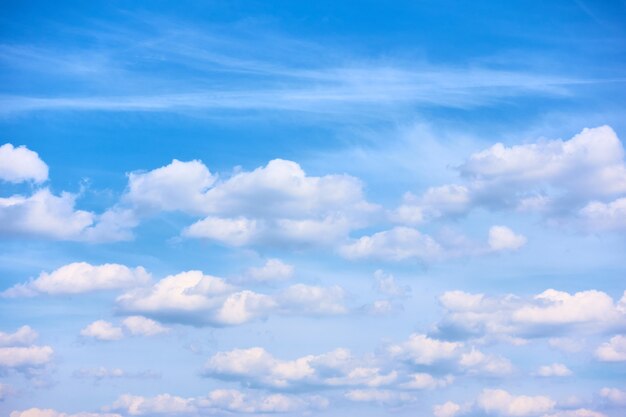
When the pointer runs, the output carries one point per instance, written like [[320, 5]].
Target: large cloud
[[547, 314], [194, 298], [555, 177], [81, 277], [19, 164]]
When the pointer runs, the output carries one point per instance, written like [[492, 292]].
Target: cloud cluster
[[194, 298], [133, 326], [20, 164], [550, 313], [81, 277], [19, 353], [582, 179]]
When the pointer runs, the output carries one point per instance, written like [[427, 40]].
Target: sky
[[409, 208]]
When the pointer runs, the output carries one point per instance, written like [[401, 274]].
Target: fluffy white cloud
[[277, 203], [500, 402], [476, 362], [599, 216], [396, 244], [447, 409], [614, 395], [337, 368], [191, 297], [612, 351], [39, 412], [177, 186], [17, 351], [102, 330], [555, 369], [560, 179], [23, 336], [25, 357], [44, 214], [19, 164], [272, 270], [423, 350], [141, 326], [217, 402], [81, 277], [423, 380], [549, 313], [501, 238], [386, 284]]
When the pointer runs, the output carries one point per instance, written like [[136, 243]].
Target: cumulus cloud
[[614, 396], [447, 409], [19, 164], [134, 326], [501, 238], [273, 270], [500, 402], [23, 336], [612, 351], [397, 244], [102, 330], [561, 179], [610, 216], [276, 204], [18, 351], [549, 313], [218, 401], [81, 277], [423, 350], [194, 298], [555, 369]]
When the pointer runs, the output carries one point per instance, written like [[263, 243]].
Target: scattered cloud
[[612, 351], [20, 164]]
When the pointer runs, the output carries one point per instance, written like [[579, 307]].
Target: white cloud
[[102, 330], [48, 412], [25, 357], [141, 326], [476, 362], [177, 186], [559, 179], [612, 351], [272, 270], [555, 369], [614, 395], [501, 238], [44, 215], [23, 336], [500, 402], [277, 203], [386, 284], [423, 380], [19, 164], [81, 277], [191, 297], [447, 409], [397, 244], [599, 216], [423, 350], [551, 312]]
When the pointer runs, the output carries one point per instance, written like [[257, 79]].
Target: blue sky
[[336, 208]]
